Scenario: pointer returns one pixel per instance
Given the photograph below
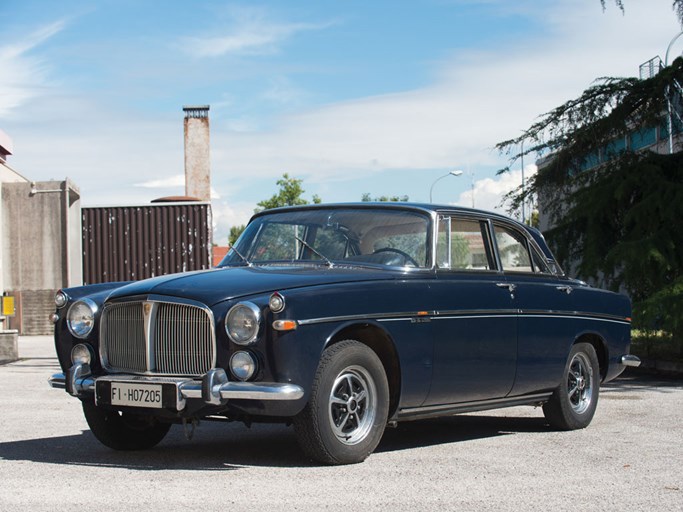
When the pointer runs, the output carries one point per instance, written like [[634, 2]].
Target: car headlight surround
[[80, 318], [243, 322]]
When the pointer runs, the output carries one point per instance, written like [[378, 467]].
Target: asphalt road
[[629, 458]]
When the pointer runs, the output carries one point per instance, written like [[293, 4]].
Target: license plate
[[136, 395]]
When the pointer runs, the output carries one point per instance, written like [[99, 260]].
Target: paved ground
[[630, 458]]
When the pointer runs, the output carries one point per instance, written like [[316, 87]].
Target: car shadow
[[456, 429], [632, 382], [231, 446]]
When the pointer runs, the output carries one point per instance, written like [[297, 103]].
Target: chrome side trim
[[464, 313], [374, 316], [630, 360], [575, 315]]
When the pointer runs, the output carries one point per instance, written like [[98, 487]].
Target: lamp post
[[452, 173], [523, 185]]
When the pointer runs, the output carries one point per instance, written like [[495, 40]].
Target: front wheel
[[123, 431], [573, 403], [345, 417]]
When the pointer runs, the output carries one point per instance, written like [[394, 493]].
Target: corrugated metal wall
[[124, 243]]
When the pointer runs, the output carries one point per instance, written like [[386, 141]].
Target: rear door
[[546, 325]]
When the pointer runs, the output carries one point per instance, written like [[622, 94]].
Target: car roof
[[428, 208]]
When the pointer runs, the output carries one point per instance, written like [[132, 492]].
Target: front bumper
[[213, 388]]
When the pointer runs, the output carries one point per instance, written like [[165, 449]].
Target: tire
[[347, 411], [123, 431], [573, 403]]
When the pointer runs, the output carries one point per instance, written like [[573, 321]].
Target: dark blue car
[[343, 319]]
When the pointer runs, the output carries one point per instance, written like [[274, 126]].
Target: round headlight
[[242, 323], [61, 299], [81, 353], [242, 365], [81, 318]]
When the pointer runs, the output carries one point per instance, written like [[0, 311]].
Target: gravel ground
[[630, 458]]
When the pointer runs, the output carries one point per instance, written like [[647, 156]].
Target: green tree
[[620, 222], [289, 195], [235, 232], [677, 6], [383, 199]]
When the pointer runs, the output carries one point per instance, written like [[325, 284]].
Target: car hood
[[212, 286]]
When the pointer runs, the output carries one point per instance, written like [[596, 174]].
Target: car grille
[[157, 337]]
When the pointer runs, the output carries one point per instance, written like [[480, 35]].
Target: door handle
[[510, 286], [565, 288]]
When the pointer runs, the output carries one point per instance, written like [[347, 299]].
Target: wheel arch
[[379, 341], [600, 346]]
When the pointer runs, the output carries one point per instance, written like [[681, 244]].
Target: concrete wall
[[41, 248], [7, 175]]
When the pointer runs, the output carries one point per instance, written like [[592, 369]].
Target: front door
[[475, 332]]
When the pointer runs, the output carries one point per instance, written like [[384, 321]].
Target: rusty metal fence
[[128, 243]]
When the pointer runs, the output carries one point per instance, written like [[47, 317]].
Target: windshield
[[330, 236]]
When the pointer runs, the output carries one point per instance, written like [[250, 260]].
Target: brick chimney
[[197, 157]]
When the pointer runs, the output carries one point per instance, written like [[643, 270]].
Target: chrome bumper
[[630, 360], [213, 388]]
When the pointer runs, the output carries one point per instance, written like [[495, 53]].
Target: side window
[[461, 245], [513, 250]]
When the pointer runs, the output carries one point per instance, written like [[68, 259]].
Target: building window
[[642, 138]]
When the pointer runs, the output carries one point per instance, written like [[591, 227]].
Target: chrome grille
[[123, 337], [156, 337], [183, 340]]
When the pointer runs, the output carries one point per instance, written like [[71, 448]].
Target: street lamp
[[452, 173]]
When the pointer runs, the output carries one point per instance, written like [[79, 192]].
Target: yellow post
[[8, 305]]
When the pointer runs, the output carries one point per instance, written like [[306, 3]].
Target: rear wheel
[[345, 417], [124, 431], [573, 403]]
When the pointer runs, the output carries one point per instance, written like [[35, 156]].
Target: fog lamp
[[81, 354], [243, 365]]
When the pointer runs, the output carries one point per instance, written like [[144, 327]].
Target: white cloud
[[24, 76], [489, 192], [252, 33], [226, 215], [171, 182], [477, 99]]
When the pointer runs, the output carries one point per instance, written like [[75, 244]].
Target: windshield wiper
[[322, 256], [245, 260]]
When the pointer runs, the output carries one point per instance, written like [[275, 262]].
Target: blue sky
[[352, 97]]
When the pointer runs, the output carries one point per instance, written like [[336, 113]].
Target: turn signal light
[[284, 325]]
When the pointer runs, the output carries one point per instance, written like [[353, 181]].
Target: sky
[[352, 97]]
